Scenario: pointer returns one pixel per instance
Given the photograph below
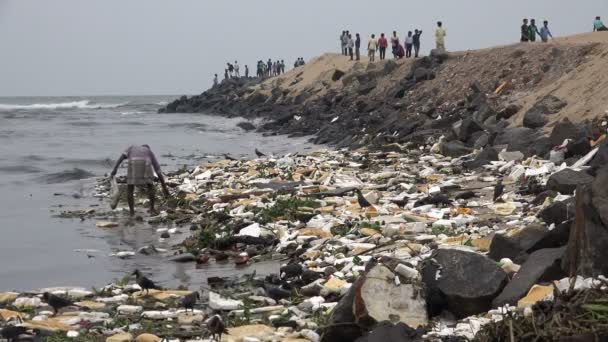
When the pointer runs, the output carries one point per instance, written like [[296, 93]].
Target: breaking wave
[[83, 104]]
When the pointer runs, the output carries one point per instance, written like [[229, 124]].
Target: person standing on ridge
[[230, 69], [382, 45], [416, 42], [225, 74], [282, 66], [598, 25], [215, 82], [524, 31], [440, 36], [545, 33], [343, 43], [350, 44], [269, 65], [358, 46], [409, 41], [372, 46], [532, 30], [246, 71], [395, 44], [142, 165], [236, 69]]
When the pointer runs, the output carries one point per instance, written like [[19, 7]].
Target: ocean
[[53, 149]]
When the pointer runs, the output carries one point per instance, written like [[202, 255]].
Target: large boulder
[[516, 246], [377, 299], [439, 55], [464, 128], [542, 266], [554, 238], [536, 116], [342, 326], [487, 155], [517, 139], [464, 283], [389, 332], [588, 241], [534, 119], [566, 181], [557, 212], [563, 130], [454, 149]]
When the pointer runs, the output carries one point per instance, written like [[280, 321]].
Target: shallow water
[[49, 150]]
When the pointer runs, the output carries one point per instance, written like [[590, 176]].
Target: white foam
[[83, 104]]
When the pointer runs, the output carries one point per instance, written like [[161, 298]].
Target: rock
[[563, 130], [566, 181], [7, 315], [129, 309], [557, 212], [24, 302], [517, 139], [454, 149], [540, 198], [509, 156], [464, 283], [422, 74], [216, 302], [542, 266], [184, 257], [439, 55], [588, 257], [246, 125], [147, 338], [516, 246], [238, 334], [557, 237], [337, 75], [465, 128], [508, 111], [377, 298], [534, 119], [341, 327], [484, 157], [251, 230], [578, 148], [389, 332], [536, 116], [122, 337], [7, 297]]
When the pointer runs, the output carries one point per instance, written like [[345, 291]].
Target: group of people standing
[[270, 68], [530, 30], [352, 46]]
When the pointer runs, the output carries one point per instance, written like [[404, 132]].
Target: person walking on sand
[[409, 41], [394, 44], [598, 25], [372, 46], [358, 46], [141, 168], [532, 30], [215, 82], [524, 31], [440, 36], [350, 44], [236, 69], [382, 45], [545, 33], [416, 42], [246, 71]]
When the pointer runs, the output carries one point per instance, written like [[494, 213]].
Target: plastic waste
[[114, 193]]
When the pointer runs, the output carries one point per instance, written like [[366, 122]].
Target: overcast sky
[[123, 47]]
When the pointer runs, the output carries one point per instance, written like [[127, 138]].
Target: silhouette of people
[[416, 42]]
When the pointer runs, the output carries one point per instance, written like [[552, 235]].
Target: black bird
[[189, 301], [277, 293], [145, 283], [498, 190], [400, 203], [56, 302], [310, 276], [259, 154], [228, 157], [216, 327], [363, 203], [466, 195], [291, 270], [437, 200], [12, 333]]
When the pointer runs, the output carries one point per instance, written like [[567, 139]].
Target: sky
[[154, 47]]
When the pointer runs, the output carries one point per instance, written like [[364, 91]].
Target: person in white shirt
[[409, 42], [350, 44], [372, 46], [236, 69]]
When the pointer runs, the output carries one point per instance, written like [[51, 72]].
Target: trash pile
[[402, 242]]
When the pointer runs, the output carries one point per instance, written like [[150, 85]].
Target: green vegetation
[[285, 208], [449, 231]]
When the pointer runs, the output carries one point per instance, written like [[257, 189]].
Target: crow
[[466, 195], [310, 276], [12, 333], [56, 302], [145, 283], [259, 154], [216, 327], [437, 200], [228, 157], [189, 300], [400, 203], [277, 293], [498, 190], [291, 271], [363, 203]]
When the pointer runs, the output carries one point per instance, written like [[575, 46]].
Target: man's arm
[[159, 173], [118, 162]]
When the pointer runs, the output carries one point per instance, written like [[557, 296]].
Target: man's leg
[[358, 53], [151, 196], [130, 199]]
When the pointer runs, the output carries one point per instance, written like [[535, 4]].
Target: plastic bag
[[114, 193]]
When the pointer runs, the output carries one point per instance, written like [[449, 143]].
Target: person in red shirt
[[382, 45]]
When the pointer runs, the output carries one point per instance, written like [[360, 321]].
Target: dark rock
[[389, 332], [558, 212], [540, 147], [439, 55], [389, 66], [467, 284], [165, 235], [454, 149], [542, 266], [540, 198], [517, 139], [508, 111], [565, 181], [246, 125], [563, 130], [588, 240], [337, 75], [484, 112], [534, 118], [578, 148], [601, 157], [422, 74], [481, 141], [557, 237], [484, 157], [339, 327], [516, 247], [257, 99], [184, 257], [464, 128]]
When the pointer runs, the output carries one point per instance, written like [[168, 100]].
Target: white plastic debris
[[217, 302], [251, 230]]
